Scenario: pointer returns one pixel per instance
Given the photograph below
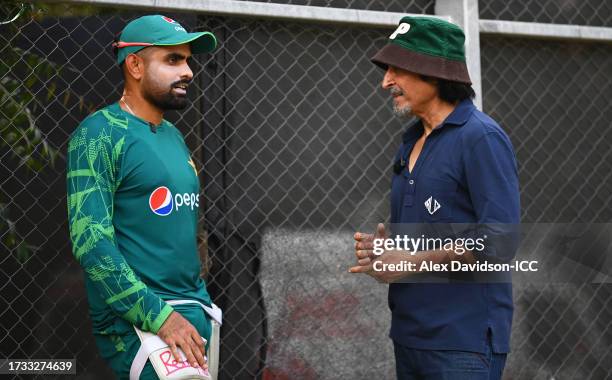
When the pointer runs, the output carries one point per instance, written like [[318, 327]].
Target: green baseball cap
[[427, 46], [158, 30]]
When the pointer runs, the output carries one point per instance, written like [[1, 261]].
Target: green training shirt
[[133, 199]]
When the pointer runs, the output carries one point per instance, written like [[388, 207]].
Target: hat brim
[[200, 42], [437, 67]]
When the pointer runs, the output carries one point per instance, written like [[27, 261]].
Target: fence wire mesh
[[411, 6], [293, 139], [551, 97], [590, 12]]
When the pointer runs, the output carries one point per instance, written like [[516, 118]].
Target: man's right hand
[[177, 332], [364, 245]]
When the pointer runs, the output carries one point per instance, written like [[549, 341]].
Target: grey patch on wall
[[323, 322]]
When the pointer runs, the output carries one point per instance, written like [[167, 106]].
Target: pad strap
[[214, 311], [147, 347]]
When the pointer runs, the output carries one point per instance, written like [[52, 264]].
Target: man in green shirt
[[133, 199]]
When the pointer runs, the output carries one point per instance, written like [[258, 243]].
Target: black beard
[[166, 101]]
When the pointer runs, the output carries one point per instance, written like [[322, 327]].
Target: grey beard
[[404, 112]]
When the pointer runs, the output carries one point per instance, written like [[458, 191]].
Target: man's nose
[[388, 81], [187, 74]]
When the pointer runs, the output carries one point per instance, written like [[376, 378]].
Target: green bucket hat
[[158, 30], [426, 46]]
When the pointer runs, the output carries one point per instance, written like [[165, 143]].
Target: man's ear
[[134, 66]]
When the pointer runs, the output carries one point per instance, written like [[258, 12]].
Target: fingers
[[362, 254], [365, 261], [360, 269], [180, 335], [364, 245], [200, 350], [360, 236], [380, 231], [188, 348], [175, 353]]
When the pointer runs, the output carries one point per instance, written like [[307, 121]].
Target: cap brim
[[437, 67], [200, 42]]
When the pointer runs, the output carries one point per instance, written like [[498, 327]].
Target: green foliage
[[18, 129], [25, 79]]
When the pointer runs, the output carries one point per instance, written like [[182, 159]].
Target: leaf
[[29, 83], [10, 241], [34, 164], [10, 137], [66, 98], [23, 252], [51, 91], [19, 150]]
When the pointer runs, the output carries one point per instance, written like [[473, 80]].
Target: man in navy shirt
[[455, 165]]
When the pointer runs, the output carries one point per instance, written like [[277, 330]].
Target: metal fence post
[[465, 14]]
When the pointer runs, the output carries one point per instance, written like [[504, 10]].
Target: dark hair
[[115, 48], [451, 91], [114, 45]]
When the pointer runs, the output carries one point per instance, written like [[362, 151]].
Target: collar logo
[[168, 19], [192, 164], [403, 28], [432, 205]]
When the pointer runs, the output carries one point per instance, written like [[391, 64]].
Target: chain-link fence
[[551, 98], [593, 13], [294, 140], [412, 6]]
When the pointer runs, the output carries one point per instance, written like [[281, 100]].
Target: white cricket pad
[[154, 349]]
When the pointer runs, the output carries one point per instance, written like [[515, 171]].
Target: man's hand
[[364, 251], [177, 332], [364, 248]]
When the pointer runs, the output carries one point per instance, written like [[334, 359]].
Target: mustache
[[396, 91], [180, 82]]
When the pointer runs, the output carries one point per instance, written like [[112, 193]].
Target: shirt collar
[[115, 107], [458, 117], [460, 114], [414, 131]]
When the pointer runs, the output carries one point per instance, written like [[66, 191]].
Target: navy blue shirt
[[465, 173]]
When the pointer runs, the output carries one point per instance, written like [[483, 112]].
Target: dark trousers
[[415, 364]]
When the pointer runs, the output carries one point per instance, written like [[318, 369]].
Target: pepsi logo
[[161, 201], [168, 19]]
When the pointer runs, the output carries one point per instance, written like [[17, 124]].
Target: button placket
[[409, 192]]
